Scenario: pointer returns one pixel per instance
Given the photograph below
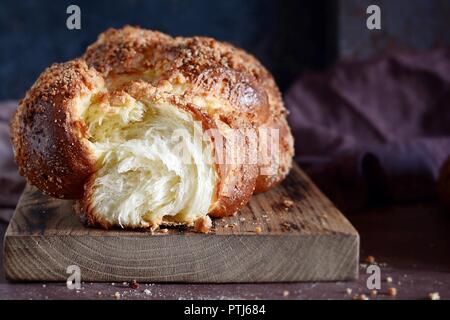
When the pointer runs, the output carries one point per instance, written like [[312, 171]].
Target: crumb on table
[[434, 296], [288, 203], [392, 292]]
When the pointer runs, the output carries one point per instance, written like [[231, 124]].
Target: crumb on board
[[285, 293], [258, 229], [389, 280], [392, 292], [288, 203], [164, 230], [289, 226], [147, 292], [361, 297], [434, 296], [373, 293], [117, 295], [203, 225], [348, 291]]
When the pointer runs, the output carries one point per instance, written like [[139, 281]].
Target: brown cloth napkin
[[375, 131], [11, 183]]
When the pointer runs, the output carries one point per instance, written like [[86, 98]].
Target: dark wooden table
[[410, 243]]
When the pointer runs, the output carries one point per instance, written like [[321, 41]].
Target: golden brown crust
[[223, 87], [45, 134]]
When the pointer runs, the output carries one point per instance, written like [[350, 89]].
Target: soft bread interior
[[152, 166]]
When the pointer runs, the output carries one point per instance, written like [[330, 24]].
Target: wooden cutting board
[[308, 241]]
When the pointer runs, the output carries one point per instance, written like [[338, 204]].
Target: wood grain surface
[[269, 240]]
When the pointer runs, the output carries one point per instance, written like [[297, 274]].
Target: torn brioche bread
[[140, 128]]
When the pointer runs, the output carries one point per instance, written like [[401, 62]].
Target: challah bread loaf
[[141, 130]]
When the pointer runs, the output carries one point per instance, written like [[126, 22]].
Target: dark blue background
[[286, 35]]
